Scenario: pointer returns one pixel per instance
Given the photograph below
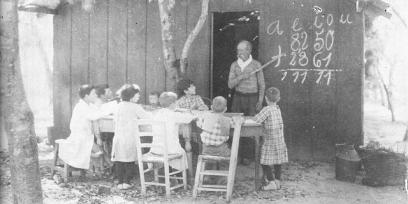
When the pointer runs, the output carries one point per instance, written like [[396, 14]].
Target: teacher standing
[[249, 90]]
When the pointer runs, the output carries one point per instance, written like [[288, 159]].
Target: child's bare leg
[[82, 174]]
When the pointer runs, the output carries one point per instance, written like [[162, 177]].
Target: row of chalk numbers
[[300, 75]]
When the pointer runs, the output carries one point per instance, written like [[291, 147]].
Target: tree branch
[[193, 34]]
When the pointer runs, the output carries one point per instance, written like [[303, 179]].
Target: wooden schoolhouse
[[319, 45]]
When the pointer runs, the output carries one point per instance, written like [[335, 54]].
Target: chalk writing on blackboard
[[317, 9], [298, 45], [274, 28], [279, 56], [324, 40], [345, 19], [300, 75], [304, 61]]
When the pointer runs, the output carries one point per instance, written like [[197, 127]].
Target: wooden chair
[[230, 173], [158, 161]]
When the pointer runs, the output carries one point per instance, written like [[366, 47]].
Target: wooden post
[[186, 132], [257, 183]]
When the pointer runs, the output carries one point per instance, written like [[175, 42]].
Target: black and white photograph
[[204, 101]]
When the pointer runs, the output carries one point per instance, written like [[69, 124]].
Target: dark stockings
[[267, 170], [124, 171]]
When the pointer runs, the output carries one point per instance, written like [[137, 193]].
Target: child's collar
[[272, 104]]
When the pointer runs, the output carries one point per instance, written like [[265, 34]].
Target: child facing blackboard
[[273, 150]]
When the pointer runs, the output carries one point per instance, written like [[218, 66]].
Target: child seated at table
[[215, 133], [154, 99], [124, 152], [170, 134], [153, 103], [215, 129], [188, 98], [108, 107], [273, 150], [76, 150]]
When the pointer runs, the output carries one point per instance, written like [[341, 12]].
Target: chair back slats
[[147, 128]]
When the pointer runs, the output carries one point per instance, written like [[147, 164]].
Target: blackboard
[[319, 45]]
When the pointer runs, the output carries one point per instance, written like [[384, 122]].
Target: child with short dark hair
[[154, 99], [188, 98], [153, 102], [124, 152], [76, 150], [273, 150]]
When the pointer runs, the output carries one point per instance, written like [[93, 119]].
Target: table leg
[[187, 131], [257, 179]]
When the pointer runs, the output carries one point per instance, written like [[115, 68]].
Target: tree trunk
[[18, 118], [169, 53]]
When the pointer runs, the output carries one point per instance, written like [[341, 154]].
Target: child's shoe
[[278, 184], [120, 186], [270, 186]]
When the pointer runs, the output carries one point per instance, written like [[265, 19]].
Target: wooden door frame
[[211, 19]]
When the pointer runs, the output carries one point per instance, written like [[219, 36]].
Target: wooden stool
[[67, 169], [230, 173]]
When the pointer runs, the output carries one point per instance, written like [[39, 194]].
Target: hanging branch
[[193, 34]]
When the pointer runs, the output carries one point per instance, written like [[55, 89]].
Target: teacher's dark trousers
[[245, 103]]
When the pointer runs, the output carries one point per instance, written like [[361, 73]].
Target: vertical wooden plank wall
[[62, 73], [80, 51], [137, 45], [98, 59], [323, 96], [349, 89], [199, 56], [155, 74], [120, 41], [117, 45]]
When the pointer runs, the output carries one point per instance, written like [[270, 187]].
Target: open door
[[228, 29]]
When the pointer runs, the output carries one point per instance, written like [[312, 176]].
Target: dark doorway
[[228, 29]]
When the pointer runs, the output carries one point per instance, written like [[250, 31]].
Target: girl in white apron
[[76, 149], [124, 152]]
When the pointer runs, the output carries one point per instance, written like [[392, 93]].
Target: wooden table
[[248, 129]]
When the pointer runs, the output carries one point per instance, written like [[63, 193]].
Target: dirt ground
[[303, 182]]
